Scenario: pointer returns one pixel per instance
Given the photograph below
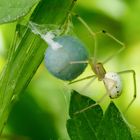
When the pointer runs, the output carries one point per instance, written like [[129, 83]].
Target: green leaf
[[11, 10], [93, 125], [25, 57], [57, 9], [84, 125], [135, 133], [113, 125]]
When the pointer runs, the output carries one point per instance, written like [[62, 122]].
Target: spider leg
[[135, 87], [92, 33], [88, 84], [87, 77], [100, 100], [116, 40], [79, 62], [112, 86], [93, 105]]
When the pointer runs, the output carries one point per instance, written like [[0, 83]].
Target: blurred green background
[[42, 110]]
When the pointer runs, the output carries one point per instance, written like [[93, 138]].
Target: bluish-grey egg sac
[[58, 61]]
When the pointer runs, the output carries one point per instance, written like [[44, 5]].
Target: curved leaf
[[83, 125], [11, 10], [113, 126], [91, 124]]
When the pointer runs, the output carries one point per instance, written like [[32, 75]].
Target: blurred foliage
[[47, 98], [40, 123]]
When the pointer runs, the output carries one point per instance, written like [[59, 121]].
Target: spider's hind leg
[[135, 86]]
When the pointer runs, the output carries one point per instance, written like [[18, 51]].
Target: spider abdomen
[[113, 84]]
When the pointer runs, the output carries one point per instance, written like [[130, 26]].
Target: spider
[[62, 53], [111, 80]]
